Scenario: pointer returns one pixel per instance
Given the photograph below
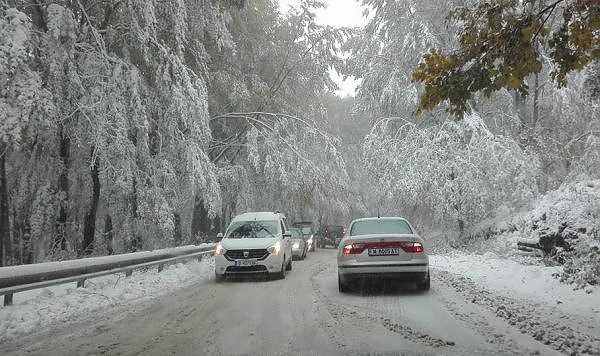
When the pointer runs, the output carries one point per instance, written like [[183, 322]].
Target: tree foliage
[[499, 48]]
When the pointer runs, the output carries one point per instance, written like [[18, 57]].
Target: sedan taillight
[[412, 247], [353, 249]]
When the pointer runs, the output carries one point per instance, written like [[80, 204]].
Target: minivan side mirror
[[287, 233], [219, 236]]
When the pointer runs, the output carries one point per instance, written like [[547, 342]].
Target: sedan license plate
[[387, 251], [245, 263]]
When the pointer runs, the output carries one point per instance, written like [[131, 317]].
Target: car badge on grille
[[246, 254]]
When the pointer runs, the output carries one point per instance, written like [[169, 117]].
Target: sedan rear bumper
[[403, 272], [396, 276], [297, 253]]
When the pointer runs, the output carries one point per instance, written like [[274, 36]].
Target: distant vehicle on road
[[378, 248], [332, 235], [299, 245], [309, 233], [255, 243]]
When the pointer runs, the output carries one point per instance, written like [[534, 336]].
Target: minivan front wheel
[[281, 273]]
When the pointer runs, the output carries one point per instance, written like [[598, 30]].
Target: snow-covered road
[[305, 314]]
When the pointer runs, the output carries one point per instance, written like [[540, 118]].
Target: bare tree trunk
[[136, 242], [520, 110], [63, 186], [202, 224], [177, 228], [108, 233], [535, 115], [197, 218], [17, 233], [22, 230], [4, 227], [89, 226]]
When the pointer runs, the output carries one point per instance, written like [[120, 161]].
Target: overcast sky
[[339, 13]]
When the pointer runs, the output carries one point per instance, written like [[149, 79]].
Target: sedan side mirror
[[219, 236], [287, 234]]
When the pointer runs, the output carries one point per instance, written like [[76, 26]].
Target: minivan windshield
[[252, 229], [380, 226]]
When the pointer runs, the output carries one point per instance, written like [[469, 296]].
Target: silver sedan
[[299, 245], [375, 248]]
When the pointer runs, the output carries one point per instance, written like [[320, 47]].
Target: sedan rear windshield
[[380, 226], [252, 229], [306, 230], [296, 233]]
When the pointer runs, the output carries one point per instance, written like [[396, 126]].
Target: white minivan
[[255, 243]]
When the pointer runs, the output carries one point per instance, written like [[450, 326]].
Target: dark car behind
[[331, 235]]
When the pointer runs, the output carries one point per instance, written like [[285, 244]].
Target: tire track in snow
[[345, 314], [526, 317]]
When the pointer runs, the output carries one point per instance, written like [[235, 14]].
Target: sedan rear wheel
[[343, 287], [424, 285]]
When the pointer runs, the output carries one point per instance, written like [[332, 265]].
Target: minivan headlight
[[275, 248], [220, 250]]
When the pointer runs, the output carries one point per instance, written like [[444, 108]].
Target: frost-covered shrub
[[583, 268], [571, 216], [564, 224]]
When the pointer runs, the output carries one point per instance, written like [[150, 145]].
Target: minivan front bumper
[[228, 267]]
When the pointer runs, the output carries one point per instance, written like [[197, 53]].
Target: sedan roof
[[381, 218], [259, 215]]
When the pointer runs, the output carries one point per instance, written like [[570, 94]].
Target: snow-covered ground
[[478, 304], [37, 309], [510, 278]]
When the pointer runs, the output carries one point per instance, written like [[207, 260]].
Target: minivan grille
[[260, 254], [249, 269]]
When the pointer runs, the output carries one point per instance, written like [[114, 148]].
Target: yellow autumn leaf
[[527, 33], [512, 82]]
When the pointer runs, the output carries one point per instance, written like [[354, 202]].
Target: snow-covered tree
[[266, 112], [385, 53], [454, 174], [107, 126]]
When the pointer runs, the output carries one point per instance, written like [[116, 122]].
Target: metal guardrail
[[15, 279]]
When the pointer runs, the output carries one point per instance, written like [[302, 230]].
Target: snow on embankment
[[35, 310], [510, 278], [565, 223]]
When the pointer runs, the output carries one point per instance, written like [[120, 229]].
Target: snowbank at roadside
[[564, 222], [509, 278], [37, 309]]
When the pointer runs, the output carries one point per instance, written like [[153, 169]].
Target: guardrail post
[[128, 273], [8, 299], [81, 283], [160, 268]]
